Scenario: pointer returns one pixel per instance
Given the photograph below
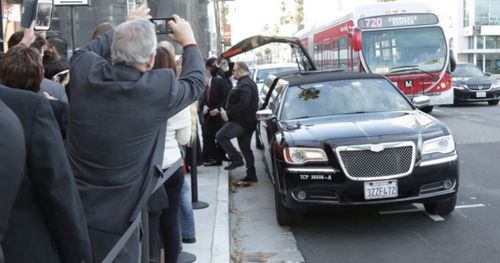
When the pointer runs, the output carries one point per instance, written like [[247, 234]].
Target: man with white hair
[[117, 123]]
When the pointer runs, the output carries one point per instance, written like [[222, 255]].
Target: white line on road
[[469, 206], [421, 208]]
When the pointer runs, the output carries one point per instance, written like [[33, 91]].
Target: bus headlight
[[296, 155], [444, 144]]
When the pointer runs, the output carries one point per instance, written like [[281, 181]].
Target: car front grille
[[479, 86], [377, 161]]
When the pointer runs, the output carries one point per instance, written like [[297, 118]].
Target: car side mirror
[[264, 115], [487, 74], [421, 101]]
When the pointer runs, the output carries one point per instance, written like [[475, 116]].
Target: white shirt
[[178, 132]]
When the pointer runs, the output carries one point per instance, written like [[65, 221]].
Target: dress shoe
[[250, 179], [189, 240], [234, 165], [210, 163]]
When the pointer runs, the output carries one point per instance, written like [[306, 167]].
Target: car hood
[[364, 128], [473, 80]]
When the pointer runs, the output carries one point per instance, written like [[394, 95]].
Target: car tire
[[441, 207], [493, 102], [285, 216], [427, 109]]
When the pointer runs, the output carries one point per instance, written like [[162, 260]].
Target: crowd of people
[[86, 145]]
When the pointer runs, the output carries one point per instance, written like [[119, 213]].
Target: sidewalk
[[212, 223]]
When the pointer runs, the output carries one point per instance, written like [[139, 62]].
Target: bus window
[[335, 58], [317, 56], [327, 58], [343, 59]]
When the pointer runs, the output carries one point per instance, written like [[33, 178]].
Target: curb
[[220, 236]]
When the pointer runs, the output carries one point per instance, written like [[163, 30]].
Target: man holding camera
[[117, 123]]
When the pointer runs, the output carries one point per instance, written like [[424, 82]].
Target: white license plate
[[480, 94], [381, 189]]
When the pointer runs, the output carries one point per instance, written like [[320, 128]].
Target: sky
[[248, 17]]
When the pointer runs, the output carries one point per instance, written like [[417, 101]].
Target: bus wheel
[[493, 102], [427, 109]]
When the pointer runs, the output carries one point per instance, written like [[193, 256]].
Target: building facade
[[478, 36], [76, 23]]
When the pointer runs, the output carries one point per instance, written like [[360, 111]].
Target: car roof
[[321, 76], [276, 65]]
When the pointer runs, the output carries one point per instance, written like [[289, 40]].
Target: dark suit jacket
[[116, 131], [12, 161], [242, 103], [61, 113], [47, 222], [219, 89]]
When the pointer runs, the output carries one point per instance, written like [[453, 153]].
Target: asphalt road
[[406, 233]]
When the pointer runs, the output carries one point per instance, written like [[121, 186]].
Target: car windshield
[[400, 51], [342, 97], [467, 70], [263, 73]]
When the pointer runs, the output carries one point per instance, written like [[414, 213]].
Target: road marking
[[421, 208], [469, 206]]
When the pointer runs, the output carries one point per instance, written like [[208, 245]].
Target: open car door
[[300, 53]]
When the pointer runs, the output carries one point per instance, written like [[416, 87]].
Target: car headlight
[[444, 144], [495, 85], [458, 86], [295, 155]]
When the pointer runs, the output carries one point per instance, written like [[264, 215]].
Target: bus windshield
[[408, 50]]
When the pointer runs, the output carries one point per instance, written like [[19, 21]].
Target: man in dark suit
[[213, 103], [117, 124], [242, 103], [13, 158], [47, 222]]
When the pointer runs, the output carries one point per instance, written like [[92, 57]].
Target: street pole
[[1, 26], [72, 29], [217, 26]]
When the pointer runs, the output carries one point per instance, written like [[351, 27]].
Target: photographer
[[117, 123]]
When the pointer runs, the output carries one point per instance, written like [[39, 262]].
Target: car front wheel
[[493, 102], [441, 207], [285, 216]]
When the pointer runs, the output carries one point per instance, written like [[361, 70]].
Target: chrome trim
[[363, 147], [438, 161], [312, 170]]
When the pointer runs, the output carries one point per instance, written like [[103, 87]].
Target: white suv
[[261, 72]]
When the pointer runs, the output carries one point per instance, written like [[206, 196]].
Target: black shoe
[[234, 165], [210, 163], [250, 179], [189, 240]]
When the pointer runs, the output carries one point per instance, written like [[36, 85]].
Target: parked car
[[349, 139], [261, 72], [471, 84], [352, 139]]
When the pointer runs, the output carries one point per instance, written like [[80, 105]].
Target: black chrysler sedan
[[352, 139], [471, 84]]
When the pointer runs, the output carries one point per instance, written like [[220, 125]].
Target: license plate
[[381, 189], [481, 94]]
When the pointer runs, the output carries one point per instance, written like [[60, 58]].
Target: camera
[[161, 25]]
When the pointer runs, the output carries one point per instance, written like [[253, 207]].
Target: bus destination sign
[[399, 20]]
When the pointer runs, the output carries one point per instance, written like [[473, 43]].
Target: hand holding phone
[[161, 25], [43, 15]]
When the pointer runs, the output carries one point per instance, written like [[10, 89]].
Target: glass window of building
[[495, 12], [490, 42], [466, 15], [482, 15], [480, 42]]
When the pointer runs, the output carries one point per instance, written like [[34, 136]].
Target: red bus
[[402, 41]]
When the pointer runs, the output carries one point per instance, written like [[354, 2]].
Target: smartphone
[[161, 25], [43, 15]]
